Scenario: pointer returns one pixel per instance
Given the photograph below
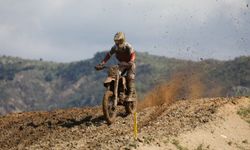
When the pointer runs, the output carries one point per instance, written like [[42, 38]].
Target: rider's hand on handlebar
[[130, 63], [99, 66]]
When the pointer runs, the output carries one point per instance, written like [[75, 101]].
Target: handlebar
[[123, 65]]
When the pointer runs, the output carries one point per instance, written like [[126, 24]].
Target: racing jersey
[[126, 53]]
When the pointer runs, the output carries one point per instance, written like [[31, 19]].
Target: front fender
[[108, 81]]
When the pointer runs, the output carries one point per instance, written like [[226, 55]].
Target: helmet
[[119, 39]]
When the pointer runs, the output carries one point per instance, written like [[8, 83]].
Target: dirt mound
[[86, 128]]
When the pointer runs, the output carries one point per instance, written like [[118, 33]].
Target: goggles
[[118, 42]]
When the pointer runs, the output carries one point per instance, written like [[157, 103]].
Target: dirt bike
[[116, 92]]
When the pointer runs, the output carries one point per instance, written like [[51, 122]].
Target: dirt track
[[86, 128]]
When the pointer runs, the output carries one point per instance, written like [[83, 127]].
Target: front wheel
[[108, 108]]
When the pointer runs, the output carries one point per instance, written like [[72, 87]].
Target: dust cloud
[[185, 84]]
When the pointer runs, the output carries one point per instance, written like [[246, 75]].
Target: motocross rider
[[124, 53]]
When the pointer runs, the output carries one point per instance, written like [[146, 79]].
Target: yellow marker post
[[135, 126]]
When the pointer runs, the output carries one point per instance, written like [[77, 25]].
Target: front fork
[[116, 84]]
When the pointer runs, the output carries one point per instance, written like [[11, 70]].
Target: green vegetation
[[38, 85], [178, 146], [245, 113]]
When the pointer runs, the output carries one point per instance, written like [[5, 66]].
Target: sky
[[73, 30]]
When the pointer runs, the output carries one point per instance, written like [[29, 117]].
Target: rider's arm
[[108, 55], [132, 53], [132, 56]]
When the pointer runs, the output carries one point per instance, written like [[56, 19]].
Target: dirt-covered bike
[[116, 92]]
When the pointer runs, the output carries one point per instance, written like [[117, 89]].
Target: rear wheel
[[108, 108]]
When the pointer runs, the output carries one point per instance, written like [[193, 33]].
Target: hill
[[31, 85], [208, 123]]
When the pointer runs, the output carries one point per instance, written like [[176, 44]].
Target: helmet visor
[[118, 42]]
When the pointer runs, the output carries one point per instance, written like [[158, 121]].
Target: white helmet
[[119, 39]]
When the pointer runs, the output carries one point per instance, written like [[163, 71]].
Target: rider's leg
[[131, 81]]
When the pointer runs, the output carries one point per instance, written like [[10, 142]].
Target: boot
[[131, 90]]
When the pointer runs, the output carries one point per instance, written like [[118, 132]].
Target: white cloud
[[66, 30]]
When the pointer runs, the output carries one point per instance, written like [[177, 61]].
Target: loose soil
[[207, 123]]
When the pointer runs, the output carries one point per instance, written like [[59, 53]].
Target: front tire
[[108, 107]]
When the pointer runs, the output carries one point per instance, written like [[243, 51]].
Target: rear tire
[[107, 107]]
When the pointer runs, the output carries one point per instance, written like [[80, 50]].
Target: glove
[[99, 66], [131, 63]]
